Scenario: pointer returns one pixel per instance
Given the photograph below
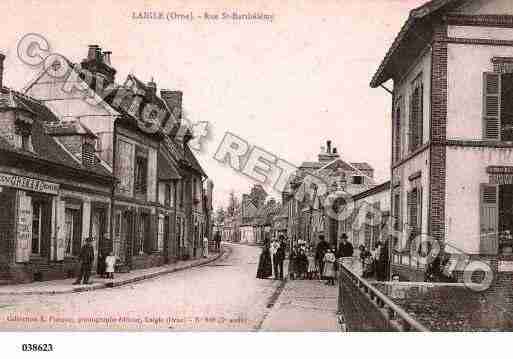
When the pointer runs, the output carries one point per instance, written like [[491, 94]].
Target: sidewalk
[[304, 305], [66, 285]]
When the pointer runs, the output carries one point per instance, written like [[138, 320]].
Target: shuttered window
[[491, 105], [397, 130], [416, 116], [489, 221]]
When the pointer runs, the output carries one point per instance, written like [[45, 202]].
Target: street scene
[[236, 171]]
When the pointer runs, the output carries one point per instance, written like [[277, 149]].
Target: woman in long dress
[[265, 269]]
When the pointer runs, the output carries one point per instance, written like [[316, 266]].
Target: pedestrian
[[86, 258], [320, 251], [264, 269], [302, 263], [218, 241], [385, 261], [205, 247], [312, 265], [329, 266], [110, 265], [345, 248], [378, 265], [279, 258], [274, 260], [292, 263]]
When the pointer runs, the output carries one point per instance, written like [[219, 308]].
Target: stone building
[[452, 68], [307, 193], [54, 191], [159, 201]]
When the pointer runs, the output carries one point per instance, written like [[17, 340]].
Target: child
[[329, 267], [110, 263], [311, 265]]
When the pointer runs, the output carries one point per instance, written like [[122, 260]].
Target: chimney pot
[[328, 146], [98, 54], [106, 57], [334, 150], [2, 58]]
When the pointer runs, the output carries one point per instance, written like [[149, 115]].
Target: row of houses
[[451, 176], [77, 161]]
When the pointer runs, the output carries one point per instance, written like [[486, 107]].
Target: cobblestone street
[[222, 295]]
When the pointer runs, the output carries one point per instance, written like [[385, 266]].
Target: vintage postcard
[[275, 166]]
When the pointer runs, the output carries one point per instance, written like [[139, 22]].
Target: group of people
[[305, 262], [375, 263], [106, 263], [271, 259]]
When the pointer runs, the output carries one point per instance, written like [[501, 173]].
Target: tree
[[233, 208], [258, 195], [220, 215]]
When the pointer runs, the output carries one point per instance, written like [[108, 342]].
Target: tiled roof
[[74, 127], [191, 159], [165, 169], [362, 165]]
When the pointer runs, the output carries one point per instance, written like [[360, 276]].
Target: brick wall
[[438, 129]]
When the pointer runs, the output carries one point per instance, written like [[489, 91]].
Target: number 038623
[[37, 347]]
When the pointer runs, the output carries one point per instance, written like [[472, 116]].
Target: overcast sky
[[286, 86]]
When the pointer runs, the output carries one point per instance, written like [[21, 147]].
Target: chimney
[[152, 86], [328, 146], [106, 57], [334, 150], [2, 58], [174, 101], [91, 53], [98, 54]]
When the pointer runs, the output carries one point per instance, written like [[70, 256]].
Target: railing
[[397, 317]]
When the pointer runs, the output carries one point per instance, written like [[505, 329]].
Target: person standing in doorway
[[86, 258]]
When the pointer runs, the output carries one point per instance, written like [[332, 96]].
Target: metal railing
[[397, 317]]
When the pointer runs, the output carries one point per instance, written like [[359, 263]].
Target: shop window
[[141, 174], [36, 226]]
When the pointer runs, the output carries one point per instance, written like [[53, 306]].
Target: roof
[[362, 166], [74, 127], [385, 186], [46, 147], [193, 162], [383, 73], [165, 169]]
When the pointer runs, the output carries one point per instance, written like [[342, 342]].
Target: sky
[[285, 86]]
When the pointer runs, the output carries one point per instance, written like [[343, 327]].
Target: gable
[[70, 105], [486, 7]]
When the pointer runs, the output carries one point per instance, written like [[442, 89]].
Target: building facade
[[451, 66]]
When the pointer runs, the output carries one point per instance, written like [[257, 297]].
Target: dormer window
[[357, 179], [23, 133]]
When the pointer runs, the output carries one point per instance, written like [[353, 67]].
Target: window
[[496, 219], [497, 106], [172, 194], [416, 115], [72, 231], [357, 179], [141, 170], [36, 226], [397, 131], [415, 211], [397, 212], [167, 194], [160, 234]]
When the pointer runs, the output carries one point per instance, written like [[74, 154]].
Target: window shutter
[[419, 209], [61, 233], [411, 132], [397, 131], [420, 115], [489, 219], [24, 228], [491, 105]]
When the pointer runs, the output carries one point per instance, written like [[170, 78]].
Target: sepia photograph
[[333, 166]]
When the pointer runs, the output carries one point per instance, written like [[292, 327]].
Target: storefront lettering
[[29, 184]]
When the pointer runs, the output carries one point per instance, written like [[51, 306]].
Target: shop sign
[[28, 184]]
